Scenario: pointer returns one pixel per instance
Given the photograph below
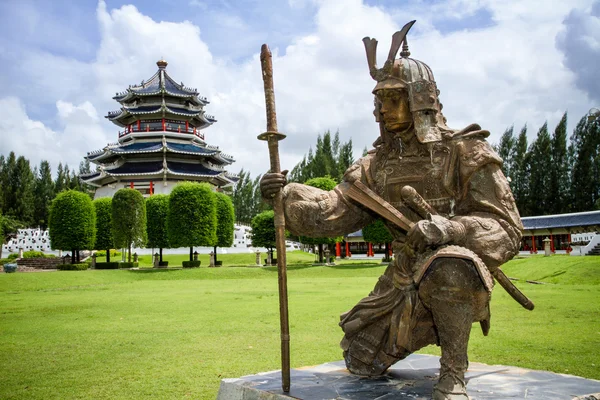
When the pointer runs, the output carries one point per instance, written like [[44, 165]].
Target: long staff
[[273, 137]]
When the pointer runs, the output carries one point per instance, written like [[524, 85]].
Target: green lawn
[[117, 334]]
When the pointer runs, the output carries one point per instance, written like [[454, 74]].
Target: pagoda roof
[[160, 83], [581, 219], [213, 153], [163, 110], [174, 169]]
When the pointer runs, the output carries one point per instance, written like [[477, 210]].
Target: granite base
[[412, 378]]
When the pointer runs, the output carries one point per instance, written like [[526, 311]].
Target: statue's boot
[[454, 292]]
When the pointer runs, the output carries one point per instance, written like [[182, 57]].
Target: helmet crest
[[415, 77]]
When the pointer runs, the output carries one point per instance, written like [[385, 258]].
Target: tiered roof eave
[[161, 84]]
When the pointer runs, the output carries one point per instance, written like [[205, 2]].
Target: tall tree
[[2, 181], [9, 227], [44, 193], [345, 159], [558, 191], [74, 183], [9, 185], [263, 230], [330, 158], [246, 198], [324, 183], [192, 218], [62, 178], [506, 151], [104, 236], [85, 168], [128, 219], [225, 222], [377, 233], [72, 224], [540, 165], [23, 187], [520, 175], [585, 173], [157, 212]]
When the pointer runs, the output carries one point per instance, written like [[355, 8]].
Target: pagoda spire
[[162, 63]]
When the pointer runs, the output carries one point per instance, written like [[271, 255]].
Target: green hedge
[[113, 253], [73, 267], [31, 254], [128, 265], [163, 263], [190, 264], [107, 265]]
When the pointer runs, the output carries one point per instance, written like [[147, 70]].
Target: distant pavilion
[[161, 142], [558, 228]]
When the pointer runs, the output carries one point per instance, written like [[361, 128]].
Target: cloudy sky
[[496, 62]]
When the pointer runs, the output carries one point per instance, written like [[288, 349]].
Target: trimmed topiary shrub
[[163, 263], [190, 264], [72, 223], [157, 211], [128, 219], [192, 216], [107, 265], [72, 267], [128, 265], [225, 222], [104, 236], [325, 183]]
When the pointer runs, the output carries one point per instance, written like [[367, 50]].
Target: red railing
[[134, 129]]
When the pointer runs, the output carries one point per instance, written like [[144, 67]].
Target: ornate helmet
[[416, 77]]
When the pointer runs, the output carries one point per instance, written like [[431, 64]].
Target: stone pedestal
[[547, 248], [212, 259], [412, 378], [20, 252], [156, 260], [94, 261], [258, 258]]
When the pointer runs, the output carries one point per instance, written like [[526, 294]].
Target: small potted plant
[[11, 267]]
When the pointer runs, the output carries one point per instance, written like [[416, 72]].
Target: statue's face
[[394, 109]]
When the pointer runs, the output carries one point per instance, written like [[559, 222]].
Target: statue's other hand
[[434, 231], [271, 183]]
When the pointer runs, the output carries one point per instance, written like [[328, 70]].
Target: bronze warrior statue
[[466, 225]]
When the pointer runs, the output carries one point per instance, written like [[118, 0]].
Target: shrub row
[[31, 254], [128, 265], [107, 265], [113, 253], [190, 264], [72, 267]]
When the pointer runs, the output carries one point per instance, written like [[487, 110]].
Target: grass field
[[117, 334]]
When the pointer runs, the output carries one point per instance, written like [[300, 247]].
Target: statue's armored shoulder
[[472, 150], [359, 169]]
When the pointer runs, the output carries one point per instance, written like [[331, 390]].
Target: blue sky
[[496, 62]]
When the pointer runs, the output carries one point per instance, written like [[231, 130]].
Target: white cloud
[[580, 43], [38, 142], [496, 75]]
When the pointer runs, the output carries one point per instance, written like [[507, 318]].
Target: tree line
[[331, 158], [26, 193], [553, 175], [192, 215]]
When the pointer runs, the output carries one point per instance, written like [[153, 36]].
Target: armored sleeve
[[310, 211], [486, 206]]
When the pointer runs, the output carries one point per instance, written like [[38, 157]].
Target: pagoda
[[161, 142]]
